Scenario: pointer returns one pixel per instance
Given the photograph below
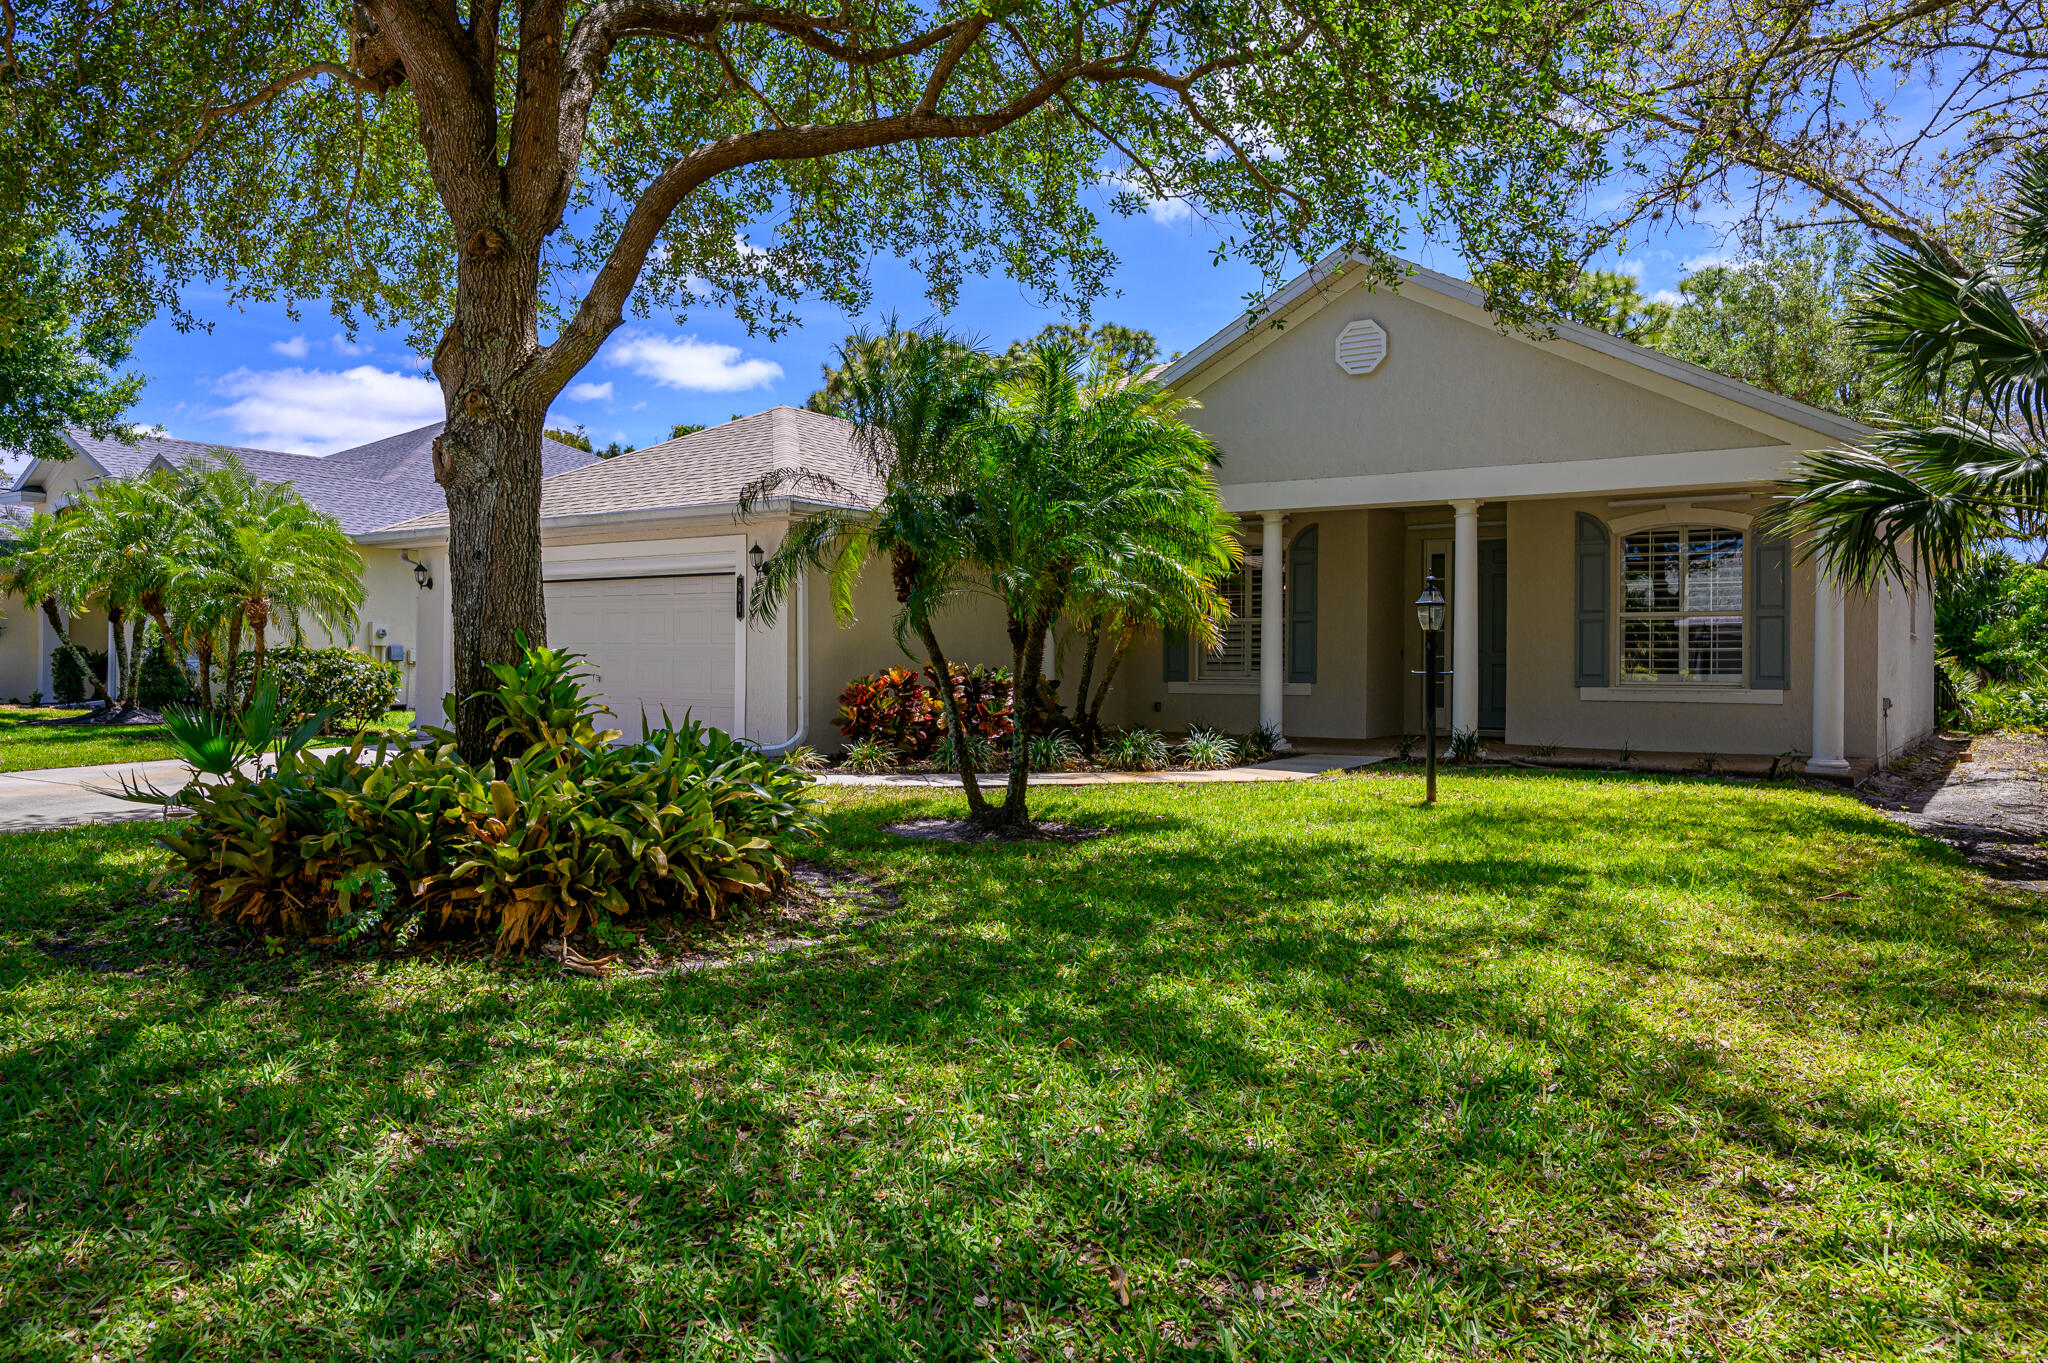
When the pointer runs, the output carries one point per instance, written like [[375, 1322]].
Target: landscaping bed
[[1570, 1065]]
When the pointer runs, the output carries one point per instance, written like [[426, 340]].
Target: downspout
[[803, 670]]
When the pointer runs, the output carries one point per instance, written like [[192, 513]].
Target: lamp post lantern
[[1429, 613]]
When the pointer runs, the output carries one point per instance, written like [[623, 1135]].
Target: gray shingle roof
[[710, 468], [364, 488]]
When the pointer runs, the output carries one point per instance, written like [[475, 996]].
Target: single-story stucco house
[[1587, 503], [364, 488]]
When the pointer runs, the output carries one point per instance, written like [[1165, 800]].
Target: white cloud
[[319, 411], [344, 346], [686, 362], [295, 348], [1166, 212], [1632, 268], [1707, 260], [1671, 296], [589, 392]]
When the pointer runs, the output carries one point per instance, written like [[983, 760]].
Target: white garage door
[[653, 642]]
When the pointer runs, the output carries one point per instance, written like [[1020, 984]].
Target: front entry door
[[1493, 634]]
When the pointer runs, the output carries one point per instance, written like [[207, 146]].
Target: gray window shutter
[[1770, 613], [1301, 606], [1591, 576], [1176, 655]]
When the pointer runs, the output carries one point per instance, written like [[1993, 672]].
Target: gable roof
[[366, 487], [1324, 280], [708, 470]]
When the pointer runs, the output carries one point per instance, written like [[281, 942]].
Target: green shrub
[[2007, 706], [865, 757], [570, 832], [1054, 752], [359, 687], [1954, 683], [67, 683], [163, 682], [1259, 744], [1137, 750], [1465, 746], [1207, 750], [979, 750]]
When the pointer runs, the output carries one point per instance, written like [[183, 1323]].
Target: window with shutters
[[1682, 606], [1236, 657]]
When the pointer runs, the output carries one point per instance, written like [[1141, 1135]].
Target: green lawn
[[1570, 1066], [25, 746]]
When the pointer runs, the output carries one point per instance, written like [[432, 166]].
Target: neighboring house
[[1588, 505], [369, 486]]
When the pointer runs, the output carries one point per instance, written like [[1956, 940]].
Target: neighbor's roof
[[1319, 279], [366, 487], [709, 469]]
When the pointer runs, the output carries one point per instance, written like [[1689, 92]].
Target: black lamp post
[[1429, 613]]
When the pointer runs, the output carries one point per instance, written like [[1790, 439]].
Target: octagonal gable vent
[[1360, 347]]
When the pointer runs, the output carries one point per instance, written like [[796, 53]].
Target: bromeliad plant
[[569, 832]]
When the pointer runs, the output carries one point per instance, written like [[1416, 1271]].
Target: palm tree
[[1928, 497], [117, 544], [34, 572], [263, 556], [916, 401], [1089, 488], [1116, 606]]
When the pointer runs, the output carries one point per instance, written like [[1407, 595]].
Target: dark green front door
[[1493, 634]]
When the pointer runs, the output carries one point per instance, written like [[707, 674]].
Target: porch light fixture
[[1429, 613], [421, 575], [757, 553]]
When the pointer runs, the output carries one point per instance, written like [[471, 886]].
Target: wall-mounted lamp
[[757, 554], [422, 576]]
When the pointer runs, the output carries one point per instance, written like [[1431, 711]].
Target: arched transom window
[[1682, 606]]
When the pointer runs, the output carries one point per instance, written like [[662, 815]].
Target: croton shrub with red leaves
[[896, 708]]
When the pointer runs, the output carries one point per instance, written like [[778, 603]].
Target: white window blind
[[1237, 656], [1682, 606]]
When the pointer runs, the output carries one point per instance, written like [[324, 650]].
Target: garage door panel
[[654, 642]]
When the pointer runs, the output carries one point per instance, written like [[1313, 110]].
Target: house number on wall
[[1360, 347]]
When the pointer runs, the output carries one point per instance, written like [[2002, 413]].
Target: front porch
[[1631, 624]]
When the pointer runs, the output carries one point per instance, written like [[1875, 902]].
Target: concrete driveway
[[65, 797]]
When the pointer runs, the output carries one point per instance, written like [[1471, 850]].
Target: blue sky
[[260, 378]]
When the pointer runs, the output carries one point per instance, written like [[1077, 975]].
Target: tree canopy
[[55, 370]]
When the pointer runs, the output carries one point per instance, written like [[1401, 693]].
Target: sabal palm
[[34, 571], [916, 401], [259, 550], [1925, 498], [1090, 486]]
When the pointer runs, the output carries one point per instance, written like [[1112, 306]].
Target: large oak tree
[[507, 179]]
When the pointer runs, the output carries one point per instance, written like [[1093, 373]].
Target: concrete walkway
[[66, 797], [1295, 767]]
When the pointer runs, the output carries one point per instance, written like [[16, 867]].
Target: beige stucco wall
[[1451, 393], [971, 630], [1543, 699], [1905, 666]]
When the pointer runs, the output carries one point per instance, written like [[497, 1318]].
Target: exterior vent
[[1360, 347]]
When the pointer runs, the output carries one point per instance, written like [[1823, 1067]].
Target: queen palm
[[916, 401], [1927, 497], [1089, 486], [34, 571], [263, 555]]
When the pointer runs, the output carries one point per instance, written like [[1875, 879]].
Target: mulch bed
[[964, 830], [100, 718]]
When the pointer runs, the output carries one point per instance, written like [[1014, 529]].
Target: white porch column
[[1829, 669], [1465, 616], [1272, 626]]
